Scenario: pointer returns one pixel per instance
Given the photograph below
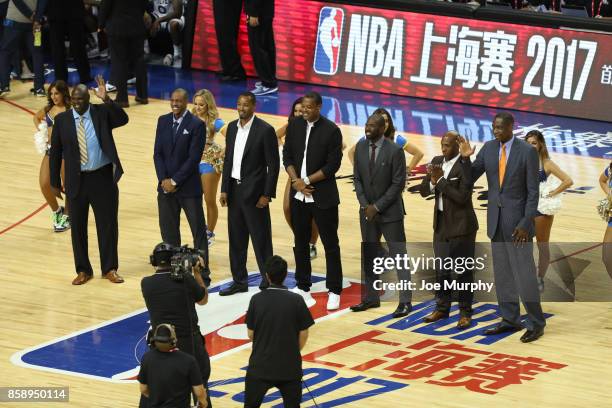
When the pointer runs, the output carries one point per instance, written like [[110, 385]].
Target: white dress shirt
[[241, 138], [446, 168], [299, 195]]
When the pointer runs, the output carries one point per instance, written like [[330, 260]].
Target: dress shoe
[[234, 288], [435, 316], [142, 101], [122, 104], [532, 335], [464, 322], [81, 278], [113, 277], [232, 78], [403, 309], [499, 329], [365, 305]]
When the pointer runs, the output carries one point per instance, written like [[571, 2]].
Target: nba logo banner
[[329, 38]]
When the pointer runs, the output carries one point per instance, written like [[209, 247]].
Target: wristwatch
[[306, 181]]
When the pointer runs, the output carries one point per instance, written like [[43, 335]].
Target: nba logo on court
[[329, 38]]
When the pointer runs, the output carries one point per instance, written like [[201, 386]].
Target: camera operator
[[167, 375], [170, 295]]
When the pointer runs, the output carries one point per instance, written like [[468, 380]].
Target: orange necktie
[[502, 165]]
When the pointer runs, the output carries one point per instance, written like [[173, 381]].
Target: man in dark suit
[[250, 173], [311, 155], [227, 23], [260, 16], [511, 166], [454, 225], [83, 138], [179, 142], [379, 178], [66, 18], [123, 22]]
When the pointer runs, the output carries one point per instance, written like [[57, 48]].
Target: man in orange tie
[[512, 175]]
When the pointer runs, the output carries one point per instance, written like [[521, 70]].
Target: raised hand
[[464, 147], [101, 90]]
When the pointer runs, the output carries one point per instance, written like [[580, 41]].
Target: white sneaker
[[167, 60], [109, 87], [131, 81], [178, 61], [264, 90], [306, 295], [333, 302]]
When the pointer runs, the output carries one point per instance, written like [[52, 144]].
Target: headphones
[[161, 254], [164, 338]]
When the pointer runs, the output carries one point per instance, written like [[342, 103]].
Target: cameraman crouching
[[170, 295], [167, 375]]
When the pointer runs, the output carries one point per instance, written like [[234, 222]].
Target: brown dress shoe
[[464, 322], [123, 104], [81, 278], [435, 316], [113, 277]]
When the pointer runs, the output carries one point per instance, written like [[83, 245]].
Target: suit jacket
[[259, 8], [384, 186], [260, 161], [324, 153], [458, 217], [179, 160], [123, 18], [64, 144], [516, 202]]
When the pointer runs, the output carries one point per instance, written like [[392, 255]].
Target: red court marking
[[42, 207]]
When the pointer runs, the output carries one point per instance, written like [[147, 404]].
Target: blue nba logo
[[329, 38]]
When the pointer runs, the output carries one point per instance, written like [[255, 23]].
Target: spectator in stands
[[66, 19], [227, 21], [124, 25], [260, 14], [22, 24], [167, 15]]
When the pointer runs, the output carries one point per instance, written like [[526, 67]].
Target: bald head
[[80, 98], [450, 144]]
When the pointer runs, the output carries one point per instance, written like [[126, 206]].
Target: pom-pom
[[549, 205], [40, 138]]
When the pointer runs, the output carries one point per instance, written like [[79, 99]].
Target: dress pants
[[244, 219], [263, 50], [327, 220], [169, 207], [75, 29], [395, 236], [227, 22], [457, 247], [515, 276], [97, 189], [13, 36], [256, 388], [127, 54]]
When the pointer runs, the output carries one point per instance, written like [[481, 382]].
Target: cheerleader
[[605, 182], [211, 165], [58, 100], [543, 222]]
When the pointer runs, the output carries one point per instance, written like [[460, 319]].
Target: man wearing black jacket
[[123, 21], [455, 225], [260, 14], [311, 155]]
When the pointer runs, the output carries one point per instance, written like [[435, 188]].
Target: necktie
[[502, 165], [372, 157], [82, 141], [175, 126]]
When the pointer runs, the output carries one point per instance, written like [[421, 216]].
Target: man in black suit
[[380, 178], [66, 18], [454, 225], [179, 142], [123, 22], [250, 173], [311, 155], [260, 15], [227, 23], [83, 138]]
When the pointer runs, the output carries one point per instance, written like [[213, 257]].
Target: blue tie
[[175, 125]]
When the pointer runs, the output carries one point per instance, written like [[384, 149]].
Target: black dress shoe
[[499, 329], [232, 78], [234, 288], [365, 305], [403, 309], [532, 335]]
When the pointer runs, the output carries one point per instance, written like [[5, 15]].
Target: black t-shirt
[[277, 316], [169, 377], [169, 301]]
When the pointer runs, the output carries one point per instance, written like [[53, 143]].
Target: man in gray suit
[[511, 166], [380, 177]]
